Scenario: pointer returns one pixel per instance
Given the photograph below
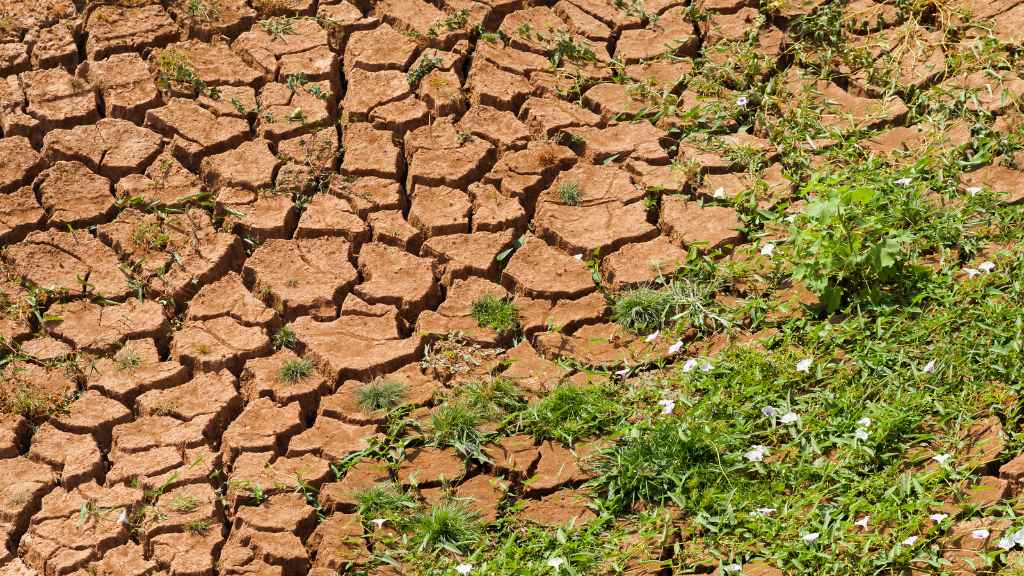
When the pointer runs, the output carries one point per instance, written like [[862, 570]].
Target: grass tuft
[[381, 394], [498, 314], [294, 370]]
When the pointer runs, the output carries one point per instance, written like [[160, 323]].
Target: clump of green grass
[[572, 412], [127, 359], [569, 192], [149, 235], [446, 526], [381, 394], [384, 501], [455, 424], [646, 309], [184, 504], [285, 338], [493, 397], [174, 67], [277, 27], [498, 314], [293, 370]]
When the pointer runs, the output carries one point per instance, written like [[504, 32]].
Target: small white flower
[[980, 534], [941, 458], [689, 365], [860, 434], [705, 366], [910, 541], [987, 266], [789, 418], [765, 511], [810, 537], [864, 422], [667, 406], [731, 568], [863, 522], [1006, 543], [971, 272], [904, 181], [973, 190], [756, 453], [768, 249], [379, 522], [556, 562], [1018, 537], [122, 518], [804, 365], [675, 348], [578, 256], [938, 517], [653, 336], [623, 373], [464, 568], [769, 412], [791, 218], [742, 101], [929, 367], [719, 193]]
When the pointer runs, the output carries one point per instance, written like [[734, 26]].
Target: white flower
[[556, 562], [379, 521], [719, 193], [790, 218], [810, 537], [464, 568], [864, 422], [789, 418], [863, 522], [653, 336], [938, 517], [731, 568], [929, 367], [971, 272], [904, 181], [980, 534], [860, 434], [689, 365], [667, 406], [675, 348], [910, 541], [742, 101], [972, 190], [765, 511], [987, 266], [705, 366], [578, 256], [122, 518], [1006, 543], [1018, 537], [769, 411], [623, 373], [941, 458], [756, 453], [804, 365], [768, 249]]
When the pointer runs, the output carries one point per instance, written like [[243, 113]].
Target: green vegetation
[[175, 69], [423, 67], [295, 369], [498, 314], [570, 412], [569, 193], [447, 526], [647, 309], [381, 394], [285, 338]]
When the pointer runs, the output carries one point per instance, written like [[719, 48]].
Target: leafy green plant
[[498, 314], [174, 67], [277, 27], [566, 48], [387, 501], [295, 369], [381, 394], [425, 65], [492, 397]]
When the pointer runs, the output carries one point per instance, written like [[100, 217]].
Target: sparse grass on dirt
[[498, 314]]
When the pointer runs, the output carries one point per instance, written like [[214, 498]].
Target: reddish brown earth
[[362, 175]]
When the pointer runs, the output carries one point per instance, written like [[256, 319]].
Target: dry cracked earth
[[196, 193]]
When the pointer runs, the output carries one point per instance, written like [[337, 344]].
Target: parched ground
[[511, 287]]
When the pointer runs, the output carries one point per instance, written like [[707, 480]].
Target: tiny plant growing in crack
[[381, 394], [294, 370]]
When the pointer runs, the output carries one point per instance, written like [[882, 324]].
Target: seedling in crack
[[425, 66], [294, 370], [381, 394]]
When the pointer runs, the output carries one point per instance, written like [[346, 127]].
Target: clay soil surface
[[511, 287]]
